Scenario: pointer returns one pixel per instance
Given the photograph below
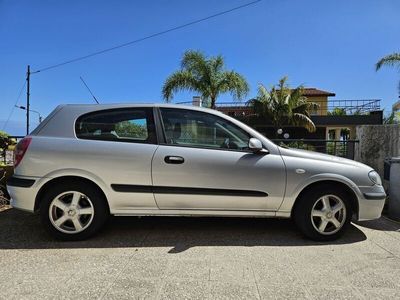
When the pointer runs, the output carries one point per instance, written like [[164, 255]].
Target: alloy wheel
[[71, 212], [328, 214]]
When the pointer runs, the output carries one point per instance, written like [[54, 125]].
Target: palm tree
[[392, 60], [206, 76], [284, 106]]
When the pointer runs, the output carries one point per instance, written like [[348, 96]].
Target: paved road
[[178, 258]]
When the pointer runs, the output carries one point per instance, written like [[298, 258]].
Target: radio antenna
[[94, 97]]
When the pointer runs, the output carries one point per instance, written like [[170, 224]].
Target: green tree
[[337, 111], [3, 140], [206, 76], [391, 60], [129, 129], [3, 134], [393, 118], [284, 106]]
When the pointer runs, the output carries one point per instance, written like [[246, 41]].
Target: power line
[[147, 37], [12, 109]]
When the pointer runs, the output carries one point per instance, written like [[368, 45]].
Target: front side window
[[124, 125], [198, 129]]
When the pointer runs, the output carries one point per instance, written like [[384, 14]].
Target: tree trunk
[[213, 102]]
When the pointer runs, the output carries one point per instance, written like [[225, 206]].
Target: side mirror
[[255, 145]]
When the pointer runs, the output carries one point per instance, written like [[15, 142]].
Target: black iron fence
[[340, 148]]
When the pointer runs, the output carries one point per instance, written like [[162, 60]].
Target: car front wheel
[[323, 213], [73, 211]]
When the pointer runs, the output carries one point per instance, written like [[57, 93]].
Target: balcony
[[329, 112], [344, 107], [329, 107]]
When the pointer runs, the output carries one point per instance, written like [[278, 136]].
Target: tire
[[73, 211], [314, 217]]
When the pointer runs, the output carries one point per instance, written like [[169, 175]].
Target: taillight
[[20, 150]]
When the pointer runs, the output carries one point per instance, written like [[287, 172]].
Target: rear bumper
[[370, 206], [20, 182], [23, 191]]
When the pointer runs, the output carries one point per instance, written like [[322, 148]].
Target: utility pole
[[28, 75]]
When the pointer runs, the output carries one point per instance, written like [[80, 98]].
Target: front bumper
[[371, 204], [23, 191]]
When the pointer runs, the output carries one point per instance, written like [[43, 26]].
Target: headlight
[[375, 178]]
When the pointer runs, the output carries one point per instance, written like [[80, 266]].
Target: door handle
[[174, 160]]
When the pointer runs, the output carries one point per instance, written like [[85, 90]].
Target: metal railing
[[347, 106], [341, 148], [330, 107]]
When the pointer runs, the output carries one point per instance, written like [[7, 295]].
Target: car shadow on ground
[[384, 223], [20, 230]]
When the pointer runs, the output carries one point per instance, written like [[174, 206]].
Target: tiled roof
[[315, 92]]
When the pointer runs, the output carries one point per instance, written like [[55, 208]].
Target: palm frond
[[389, 60], [191, 59], [218, 63], [205, 75], [284, 106], [304, 121], [306, 108], [233, 83], [180, 80], [263, 93]]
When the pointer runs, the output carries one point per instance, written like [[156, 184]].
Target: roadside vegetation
[[4, 198], [3, 146]]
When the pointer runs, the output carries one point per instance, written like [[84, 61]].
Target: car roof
[[96, 107], [128, 104], [61, 119]]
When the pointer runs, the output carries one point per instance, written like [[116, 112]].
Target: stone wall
[[377, 142]]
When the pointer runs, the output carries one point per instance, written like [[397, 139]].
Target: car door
[[117, 145], [205, 164]]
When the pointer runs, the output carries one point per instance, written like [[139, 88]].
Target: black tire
[[98, 202], [305, 204]]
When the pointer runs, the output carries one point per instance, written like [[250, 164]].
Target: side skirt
[[202, 213]]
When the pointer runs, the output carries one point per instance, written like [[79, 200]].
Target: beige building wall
[[322, 101]]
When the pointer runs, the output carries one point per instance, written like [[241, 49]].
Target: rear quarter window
[[134, 125]]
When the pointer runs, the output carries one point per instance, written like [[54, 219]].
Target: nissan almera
[[86, 162]]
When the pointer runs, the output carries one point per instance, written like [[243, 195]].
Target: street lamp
[[35, 111]]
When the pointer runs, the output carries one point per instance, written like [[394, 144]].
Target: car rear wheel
[[323, 213], [73, 211]]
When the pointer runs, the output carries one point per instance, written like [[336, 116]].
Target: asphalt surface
[[198, 258]]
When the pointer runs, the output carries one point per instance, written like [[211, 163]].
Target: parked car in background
[[86, 162]]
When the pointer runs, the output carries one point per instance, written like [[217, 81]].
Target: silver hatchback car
[[86, 162]]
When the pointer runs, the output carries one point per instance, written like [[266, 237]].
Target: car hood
[[320, 157]]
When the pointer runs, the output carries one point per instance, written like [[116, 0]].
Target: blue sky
[[331, 44]]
